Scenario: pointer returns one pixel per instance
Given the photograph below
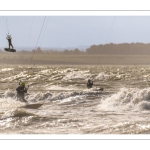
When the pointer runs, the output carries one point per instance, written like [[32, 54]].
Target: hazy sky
[[73, 31]]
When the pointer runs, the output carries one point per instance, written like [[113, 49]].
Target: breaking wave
[[127, 99]]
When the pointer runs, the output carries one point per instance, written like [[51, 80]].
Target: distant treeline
[[107, 49], [120, 49]]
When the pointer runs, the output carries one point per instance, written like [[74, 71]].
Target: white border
[[75, 136], [74, 5], [74, 13]]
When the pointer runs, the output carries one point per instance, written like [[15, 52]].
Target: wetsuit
[[9, 42], [21, 90], [89, 84]]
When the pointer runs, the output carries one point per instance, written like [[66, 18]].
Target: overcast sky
[[73, 31]]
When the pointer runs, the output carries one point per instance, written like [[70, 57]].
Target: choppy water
[[69, 107]]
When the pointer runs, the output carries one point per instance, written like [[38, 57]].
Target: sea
[[69, 107]]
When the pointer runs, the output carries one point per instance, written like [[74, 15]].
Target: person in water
[[9, 41], [89, 84], [21, 90]]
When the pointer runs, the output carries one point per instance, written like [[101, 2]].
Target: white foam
[[127, 99], [103, 76], [9, 93], [46, 71], [77, 75], [61, 88], [6, 69], [13, 77], [9, 103]]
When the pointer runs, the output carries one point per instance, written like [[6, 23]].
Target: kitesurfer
[[9, 41], [89, 84], [21, 90]]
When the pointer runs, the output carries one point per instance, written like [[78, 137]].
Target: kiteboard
[[32, 106], [9, 50]]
